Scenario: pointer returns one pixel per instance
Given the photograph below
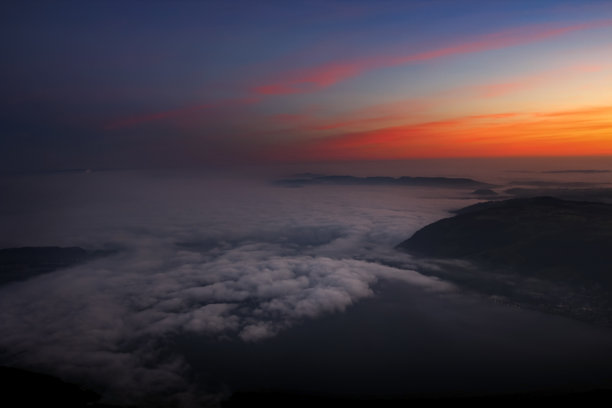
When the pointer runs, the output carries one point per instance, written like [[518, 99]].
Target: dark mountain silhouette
[[484, 192], [531, 241], [21, 388]]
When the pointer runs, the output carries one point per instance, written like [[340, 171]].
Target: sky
[[214, 283], [108, 84]]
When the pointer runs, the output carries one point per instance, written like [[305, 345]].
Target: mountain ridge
[[536, 243]]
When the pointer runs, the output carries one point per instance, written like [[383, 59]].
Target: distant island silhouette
[[25, 262], [449, 182]]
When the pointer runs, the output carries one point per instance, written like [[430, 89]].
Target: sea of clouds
[[226, 259]]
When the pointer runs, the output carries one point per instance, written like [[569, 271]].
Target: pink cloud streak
[[326, 75], [329, 74]]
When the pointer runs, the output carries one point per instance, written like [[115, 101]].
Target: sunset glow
[[353, 80], [327, 203], [565, 133]]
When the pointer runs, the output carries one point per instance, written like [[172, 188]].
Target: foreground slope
[[532, 242]]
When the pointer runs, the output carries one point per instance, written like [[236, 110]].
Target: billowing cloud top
[[242, 264]]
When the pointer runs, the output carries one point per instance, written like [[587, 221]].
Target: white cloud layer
[[228, 260]]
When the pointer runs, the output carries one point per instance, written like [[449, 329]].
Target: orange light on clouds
[[577, 132]]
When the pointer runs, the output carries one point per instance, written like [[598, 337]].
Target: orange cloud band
[[578, 132]]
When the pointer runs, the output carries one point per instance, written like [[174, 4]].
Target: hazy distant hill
[[25, 262], [448, 182], [536, 240], [601, 194]]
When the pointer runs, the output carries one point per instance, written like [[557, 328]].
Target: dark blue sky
[[160, 83]]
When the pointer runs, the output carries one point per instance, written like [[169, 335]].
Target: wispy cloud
[[323, 76]]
